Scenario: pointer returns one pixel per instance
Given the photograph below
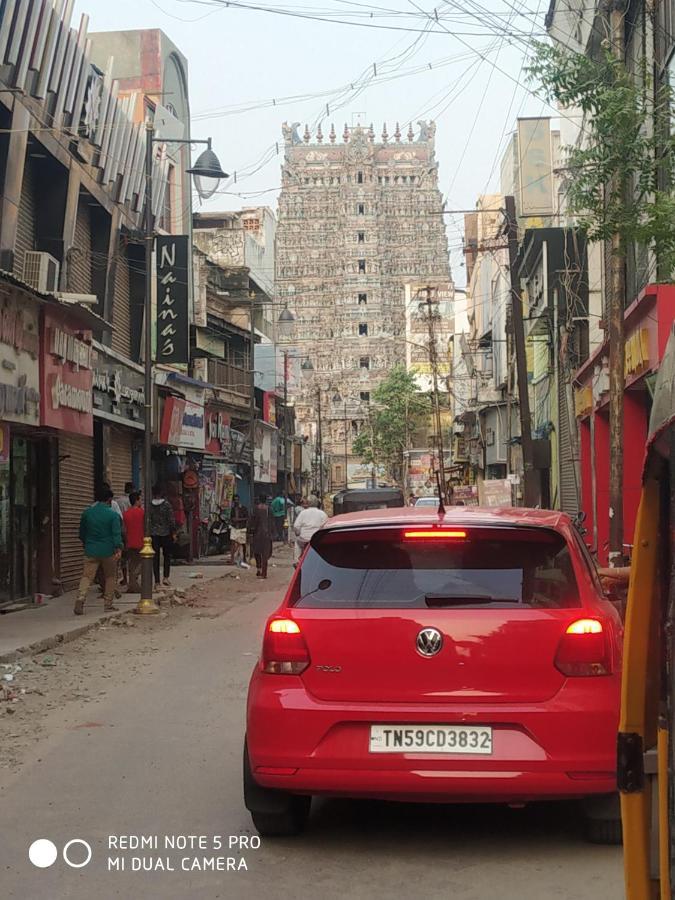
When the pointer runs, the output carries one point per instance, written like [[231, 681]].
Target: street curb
[[57, 639]]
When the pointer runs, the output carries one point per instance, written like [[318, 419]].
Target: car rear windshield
[[383, 568]]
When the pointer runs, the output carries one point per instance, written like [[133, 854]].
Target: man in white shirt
[[307, 523]]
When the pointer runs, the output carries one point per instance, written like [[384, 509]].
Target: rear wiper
[[439, 600]]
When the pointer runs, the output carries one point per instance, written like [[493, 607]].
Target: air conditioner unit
[[41, 271]]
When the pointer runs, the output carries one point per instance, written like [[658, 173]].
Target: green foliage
[[617, 174], [397, 409]]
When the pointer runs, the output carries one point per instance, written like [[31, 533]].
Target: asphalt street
[[158, 756]]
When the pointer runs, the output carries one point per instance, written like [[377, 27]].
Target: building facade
[[359, 219]]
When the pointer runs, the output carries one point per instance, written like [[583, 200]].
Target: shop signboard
[[183, 424], [193, 433], [66, 375], [466, 494], [265, 453], [495, 492], [218, 436], [19, 362], [270, 408], [172, 421], [119, 392], [173, 345]]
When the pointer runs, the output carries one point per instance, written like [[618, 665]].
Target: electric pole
[[432, 315], [530, 492], [617, 340]]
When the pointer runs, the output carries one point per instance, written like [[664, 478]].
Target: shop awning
[[82, 314]]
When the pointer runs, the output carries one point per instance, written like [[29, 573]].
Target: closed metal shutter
[[120, 459], [76, 492], [121, 336], [25, 226], [79, 256], [567, 454]]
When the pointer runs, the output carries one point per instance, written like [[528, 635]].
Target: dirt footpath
[[74, 677]]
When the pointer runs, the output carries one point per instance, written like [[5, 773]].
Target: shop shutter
[[76, 491], [25, 226], [79, 257], [120, 459], [121, 336], [567, 455]]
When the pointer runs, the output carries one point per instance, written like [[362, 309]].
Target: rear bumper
[[564, 748]]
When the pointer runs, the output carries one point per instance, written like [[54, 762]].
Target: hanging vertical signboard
[[172, 298]]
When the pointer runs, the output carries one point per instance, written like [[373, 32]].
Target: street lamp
[[286, 322], [207, 172], [207, 169]]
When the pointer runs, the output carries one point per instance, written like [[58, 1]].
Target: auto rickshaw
[[358, 499], [646, 741]]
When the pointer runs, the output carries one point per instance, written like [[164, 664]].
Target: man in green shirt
[[279, 514], [101, 536]]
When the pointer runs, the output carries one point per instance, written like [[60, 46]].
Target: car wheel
[[284, 824], [603, 819], [274, 813], [604, 831]]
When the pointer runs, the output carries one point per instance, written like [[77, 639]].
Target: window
[[378, 568], [363, 328], [359, 178], [363, 299], [365, 396], [362, 266], [361, 209], [364, 362], [361, 237], [355, 428]]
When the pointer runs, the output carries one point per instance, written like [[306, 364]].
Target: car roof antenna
[[441, 507]]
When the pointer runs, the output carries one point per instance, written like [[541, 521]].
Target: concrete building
[[359, 219]]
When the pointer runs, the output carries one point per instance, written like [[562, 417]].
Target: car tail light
[[434, 534], [584, 649], [284, 649]]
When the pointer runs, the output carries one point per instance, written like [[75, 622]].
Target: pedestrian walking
[[101, 536], [134, 526], [297, 552], [308, 523], [238, 526], [262, 523], [124, 504], [124, 501], [162, 532], [279, 515]]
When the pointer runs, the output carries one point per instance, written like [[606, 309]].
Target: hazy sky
[[241, 57]]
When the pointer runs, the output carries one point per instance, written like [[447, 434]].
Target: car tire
[[603, 819], [274, 813], [604, 831], [284, 824]]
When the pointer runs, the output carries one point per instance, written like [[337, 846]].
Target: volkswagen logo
[[429, 641]]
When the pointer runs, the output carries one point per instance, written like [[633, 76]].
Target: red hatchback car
[[464, 657]]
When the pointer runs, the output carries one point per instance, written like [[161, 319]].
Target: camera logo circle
[[77, 865], [42, 853]]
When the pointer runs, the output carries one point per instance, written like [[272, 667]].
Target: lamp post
[[206, 170]]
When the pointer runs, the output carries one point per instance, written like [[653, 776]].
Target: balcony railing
[[234, 378]]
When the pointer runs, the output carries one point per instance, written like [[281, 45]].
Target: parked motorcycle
[[219, 534]]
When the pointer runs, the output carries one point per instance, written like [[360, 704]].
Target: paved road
[[159, 755]]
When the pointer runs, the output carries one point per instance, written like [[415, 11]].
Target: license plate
[[449, 739]]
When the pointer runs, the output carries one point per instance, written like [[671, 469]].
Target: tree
[[615, 175], [620, 184], [397, 410]]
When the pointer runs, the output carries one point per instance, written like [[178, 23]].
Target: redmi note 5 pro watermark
[[152, 853]]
